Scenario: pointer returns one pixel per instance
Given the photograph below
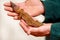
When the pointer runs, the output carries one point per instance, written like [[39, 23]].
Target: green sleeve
[[52, 11], [52, 15], [55, 32]]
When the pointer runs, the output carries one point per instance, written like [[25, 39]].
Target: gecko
[[25, 16]]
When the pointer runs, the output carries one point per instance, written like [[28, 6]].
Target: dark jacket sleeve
[[52, 15], [52, 11], [55, 32]]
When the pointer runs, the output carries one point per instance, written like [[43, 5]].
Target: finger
[[7, 4], [8, 8], [23, 25], [32, 30], [23, 22], [16, 18], [35, 32], [12, 14]]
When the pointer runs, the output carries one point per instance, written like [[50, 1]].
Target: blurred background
[[10, 29]]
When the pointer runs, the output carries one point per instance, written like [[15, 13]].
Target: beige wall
[[10, 29]]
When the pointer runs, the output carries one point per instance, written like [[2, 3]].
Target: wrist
[[48, 26]]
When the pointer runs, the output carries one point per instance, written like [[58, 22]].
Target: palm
[[33, 7], [43, 30]]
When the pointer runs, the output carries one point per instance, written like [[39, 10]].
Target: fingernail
[[29, 32]]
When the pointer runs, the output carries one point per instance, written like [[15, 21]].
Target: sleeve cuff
[[55, 31]]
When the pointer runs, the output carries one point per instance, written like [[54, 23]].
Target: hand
[[43, 30], [32, 7]]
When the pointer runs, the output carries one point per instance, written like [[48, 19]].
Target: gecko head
[[14, 7]]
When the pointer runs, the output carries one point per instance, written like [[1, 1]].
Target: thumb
[[32, 30]]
